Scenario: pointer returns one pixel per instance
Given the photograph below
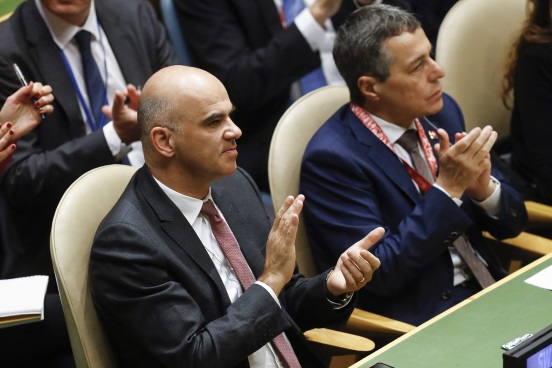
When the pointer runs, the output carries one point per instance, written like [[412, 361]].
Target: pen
[[23, 82]]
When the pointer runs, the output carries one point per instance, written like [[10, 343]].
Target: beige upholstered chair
[[291, 136], [473, 41], [80, 211]]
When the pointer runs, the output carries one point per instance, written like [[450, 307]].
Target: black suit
[[58, 151], [161, 299]]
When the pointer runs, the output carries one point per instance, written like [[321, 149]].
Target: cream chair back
[[290, 138], [473, 41], [78, 215]]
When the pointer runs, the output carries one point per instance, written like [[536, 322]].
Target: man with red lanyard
[[379, 161]]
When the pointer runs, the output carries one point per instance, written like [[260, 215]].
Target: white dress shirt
[[491, 205], [63, 35]]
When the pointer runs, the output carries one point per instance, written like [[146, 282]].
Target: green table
[[471, 334], [7, 6]]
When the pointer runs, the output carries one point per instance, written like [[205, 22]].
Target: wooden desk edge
[[452, 309]]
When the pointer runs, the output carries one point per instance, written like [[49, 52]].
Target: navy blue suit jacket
[[354, 183]]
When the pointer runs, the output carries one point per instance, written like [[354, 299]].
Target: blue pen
[[24, 83]]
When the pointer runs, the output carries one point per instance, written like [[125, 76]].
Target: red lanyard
[[422, 183]]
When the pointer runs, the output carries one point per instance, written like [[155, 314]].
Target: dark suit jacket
[[244, 45], [161, 299], [354, 183], [57, 152]]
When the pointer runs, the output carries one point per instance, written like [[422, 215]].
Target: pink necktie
[[233, 253]]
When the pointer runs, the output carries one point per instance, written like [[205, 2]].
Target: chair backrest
[[290, 138], [174, 31], [80, 211], [473, 41]]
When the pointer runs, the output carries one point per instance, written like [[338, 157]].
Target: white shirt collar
[[63, 32], [189, 206], [392, 131]]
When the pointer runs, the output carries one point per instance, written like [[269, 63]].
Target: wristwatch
[[336, 301]]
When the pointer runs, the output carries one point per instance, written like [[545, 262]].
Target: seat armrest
[[331, 342], [373, 325]]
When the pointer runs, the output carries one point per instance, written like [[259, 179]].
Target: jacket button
[[446, 294]]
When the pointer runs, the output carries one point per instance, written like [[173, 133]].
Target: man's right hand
[[322, 10], [465, 162], [125, 118], [280, 249]]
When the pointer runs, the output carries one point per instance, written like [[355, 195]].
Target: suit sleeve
[[253, 75], [343, 204]]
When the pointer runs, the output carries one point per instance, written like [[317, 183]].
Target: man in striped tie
[[383, 163], [188, 270]]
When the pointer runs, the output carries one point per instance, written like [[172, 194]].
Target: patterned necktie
[[95, 87], [409, 141], [315, 79], [233, 253]]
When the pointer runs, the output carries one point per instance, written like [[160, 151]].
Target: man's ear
[[161, 140], [368, 86]]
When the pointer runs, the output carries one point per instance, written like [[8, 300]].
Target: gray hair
[[358, 48], [157, 111]]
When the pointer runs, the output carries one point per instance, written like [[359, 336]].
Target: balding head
[[188, 137], [166, 97]]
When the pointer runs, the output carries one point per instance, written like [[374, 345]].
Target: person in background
[[267, 53], [372, 164], [529, 76], [92, 52], [187, 269]]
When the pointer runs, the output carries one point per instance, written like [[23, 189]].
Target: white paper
[[24, 295], [542, 279]]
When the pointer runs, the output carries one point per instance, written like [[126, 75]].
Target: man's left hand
[[355, 266]]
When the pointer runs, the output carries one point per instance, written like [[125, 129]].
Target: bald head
[[168, 95]]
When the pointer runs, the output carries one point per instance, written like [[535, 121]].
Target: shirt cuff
[[116, 146], [270, 291], [310, 29], [491, 205]]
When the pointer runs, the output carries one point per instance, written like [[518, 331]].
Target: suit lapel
[[431, 134], [236, 220], [46, 55], [383, 158], [177, 227]]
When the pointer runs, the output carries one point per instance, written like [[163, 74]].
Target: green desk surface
[[472, 335], [7, 6]]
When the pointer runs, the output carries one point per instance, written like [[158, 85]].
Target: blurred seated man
[[181, 271], [87, 50], [267, 53], [372, 164]]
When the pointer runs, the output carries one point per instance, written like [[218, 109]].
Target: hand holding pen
[[24, 83], [24, 114]]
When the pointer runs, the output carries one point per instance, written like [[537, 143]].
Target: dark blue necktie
[[315, 79], [95, 87]]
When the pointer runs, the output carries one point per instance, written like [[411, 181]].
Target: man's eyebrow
[[218, 115]]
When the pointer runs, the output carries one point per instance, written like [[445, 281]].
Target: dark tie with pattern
[[233, 253], [409, 141], [95, 87]]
